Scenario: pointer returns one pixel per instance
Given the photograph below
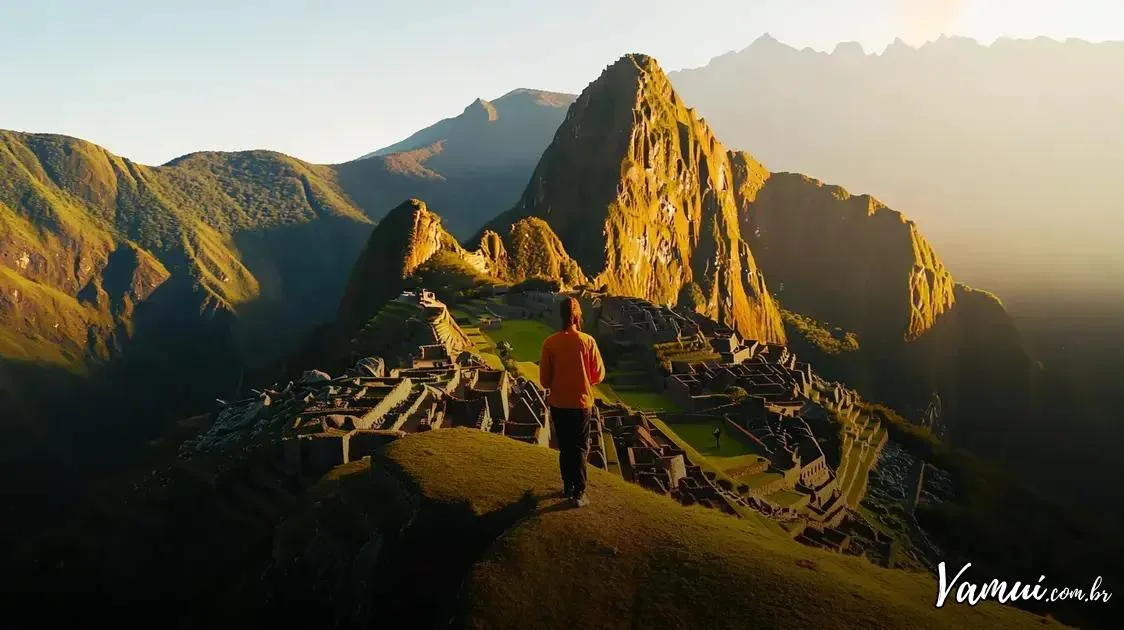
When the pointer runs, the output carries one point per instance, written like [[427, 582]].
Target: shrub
[[736, 394], [536, 284], [691, 297]]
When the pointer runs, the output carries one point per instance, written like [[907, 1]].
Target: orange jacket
[[569, 367]]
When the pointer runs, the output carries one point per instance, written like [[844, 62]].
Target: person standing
[[717, 433], [569, 367]]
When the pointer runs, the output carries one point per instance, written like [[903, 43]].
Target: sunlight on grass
[[524, 335]]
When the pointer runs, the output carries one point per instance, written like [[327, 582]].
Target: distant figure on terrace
[[569, 368], [717, 433]]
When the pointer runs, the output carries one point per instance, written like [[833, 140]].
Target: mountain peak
[[480, 110], [769, 43], [642, 195], [766, 39], [541, 98], [629, 65], [406, 238], [849, 50], [408, 207], [898, 46]]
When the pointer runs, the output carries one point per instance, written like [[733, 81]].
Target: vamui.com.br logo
[[963, 591]]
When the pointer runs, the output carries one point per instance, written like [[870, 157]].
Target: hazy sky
[[329, 80]]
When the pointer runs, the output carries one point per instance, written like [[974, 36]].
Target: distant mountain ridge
[[522, 110], [1019, 140]]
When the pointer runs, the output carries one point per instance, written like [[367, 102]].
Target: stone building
[[641, 321]]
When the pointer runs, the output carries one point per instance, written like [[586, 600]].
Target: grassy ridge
[[67, 205], [636, 559]]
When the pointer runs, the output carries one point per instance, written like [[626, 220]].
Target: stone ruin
[[323, 421], [643, 322]]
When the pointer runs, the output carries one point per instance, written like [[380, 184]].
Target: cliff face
[[411, 246], [843, 258], [851, 261], [947, 132], [643, 196], [402, 242], [534, 250]]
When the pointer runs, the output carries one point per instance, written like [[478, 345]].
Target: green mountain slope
[[116, 278], [89, 236]]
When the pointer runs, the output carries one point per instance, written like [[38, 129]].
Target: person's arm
[[595, 367], [546, 367]]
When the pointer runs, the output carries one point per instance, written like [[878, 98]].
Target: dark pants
[[573, 428]]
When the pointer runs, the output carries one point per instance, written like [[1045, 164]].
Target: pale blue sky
[[329, 80]]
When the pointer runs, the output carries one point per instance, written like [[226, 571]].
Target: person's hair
[[571, 313]]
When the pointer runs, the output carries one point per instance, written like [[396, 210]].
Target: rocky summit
[[844, 258], [412, 247], [643, 196], [850, 261]]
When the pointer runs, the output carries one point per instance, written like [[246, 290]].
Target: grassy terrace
[[733, 451], [637, 556], [752, 516], [524, 335], [857, 486], [640, 399], [470, 311], [787, 498], [760, 479]]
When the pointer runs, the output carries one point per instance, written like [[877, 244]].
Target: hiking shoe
[[581, 500]]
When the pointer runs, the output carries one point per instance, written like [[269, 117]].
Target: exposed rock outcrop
[[411, 243], [842, 258], [404, 240], [850, 260], [535, 251], [643, 196]]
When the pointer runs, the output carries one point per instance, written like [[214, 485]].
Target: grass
[[53, 327], [529, 370], [525, 336], [733, 452], [633, 558], [71, 203], [645, 400], [690, 352], [787, 498], [495, 362], [857, 489], [760, 479], [766, 526]]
